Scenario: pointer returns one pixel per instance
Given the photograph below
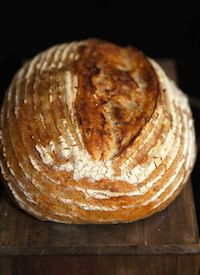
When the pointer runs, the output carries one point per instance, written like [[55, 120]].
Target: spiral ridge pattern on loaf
[[95, 133]]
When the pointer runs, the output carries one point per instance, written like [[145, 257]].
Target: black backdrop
[[161, 29]]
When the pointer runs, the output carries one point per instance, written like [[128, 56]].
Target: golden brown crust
[[95, 133], [117, 93]]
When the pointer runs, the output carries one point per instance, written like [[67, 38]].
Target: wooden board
[[101, 265], [172, 231]]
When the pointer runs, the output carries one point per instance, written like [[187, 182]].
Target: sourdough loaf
[[95, 133]]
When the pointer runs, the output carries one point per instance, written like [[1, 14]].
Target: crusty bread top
[[117, 92]]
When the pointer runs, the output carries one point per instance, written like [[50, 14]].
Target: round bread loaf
[[95, 133]]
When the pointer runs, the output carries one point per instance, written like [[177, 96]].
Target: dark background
[[161, 29]]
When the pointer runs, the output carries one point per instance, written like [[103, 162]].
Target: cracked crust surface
[[119, 88]]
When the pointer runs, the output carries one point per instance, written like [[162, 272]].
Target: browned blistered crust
[[114, 104], [117, 93]]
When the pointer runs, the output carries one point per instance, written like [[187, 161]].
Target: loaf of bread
[[95, 133]]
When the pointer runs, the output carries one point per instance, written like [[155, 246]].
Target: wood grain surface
[[101, 265]]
